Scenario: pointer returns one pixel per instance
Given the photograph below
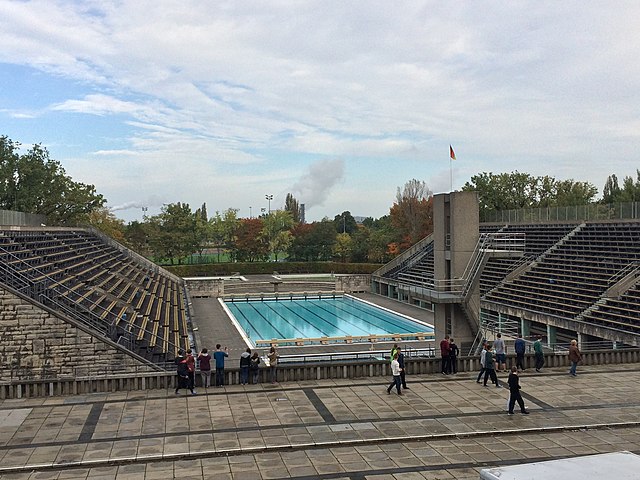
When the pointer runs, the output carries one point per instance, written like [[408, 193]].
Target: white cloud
[[266, 90]]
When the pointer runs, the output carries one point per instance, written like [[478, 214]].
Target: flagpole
[[452, 157], [451, 172]]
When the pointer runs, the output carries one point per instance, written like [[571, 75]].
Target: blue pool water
[[313, 318]]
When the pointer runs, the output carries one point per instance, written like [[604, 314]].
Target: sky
[[339, 103]]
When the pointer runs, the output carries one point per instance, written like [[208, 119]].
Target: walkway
[[444, 427]]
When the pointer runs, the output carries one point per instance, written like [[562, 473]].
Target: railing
[[366, 366], [628, 270], [257, 297], [347, 339], [331, 357], [619, 211], [414, 253]]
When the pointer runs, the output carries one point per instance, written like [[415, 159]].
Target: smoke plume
[[314, 187]]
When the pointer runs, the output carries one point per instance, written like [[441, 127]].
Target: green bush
[[261, 268]]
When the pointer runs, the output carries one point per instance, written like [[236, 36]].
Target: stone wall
[[205, 287], [353, 283], [36, 344]]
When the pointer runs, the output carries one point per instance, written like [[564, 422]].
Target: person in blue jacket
[[519, 346], [219, 356]]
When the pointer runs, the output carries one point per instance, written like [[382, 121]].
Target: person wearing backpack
[[254, 366], [245, 364]]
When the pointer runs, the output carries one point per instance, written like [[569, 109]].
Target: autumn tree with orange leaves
[[411, 215]]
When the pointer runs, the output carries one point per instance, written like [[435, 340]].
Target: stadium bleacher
[[140, 306], [566, 271]]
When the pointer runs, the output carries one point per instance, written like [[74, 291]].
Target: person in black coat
[[514, 391], [454, 351], [403, 379], [182, 369]]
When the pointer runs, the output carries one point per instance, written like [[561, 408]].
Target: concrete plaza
[[444, 427]]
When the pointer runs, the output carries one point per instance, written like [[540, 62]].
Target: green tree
[[104, 220], [313, 241], [276, 226], [629, 192], [360, 244], [611, 191], [203, 228], [34, 183], [380, 240], [511, 191], [630, 189], [281, 243], [343, 247], [223, 228], [345, 223], [174, 233], [251, 244], [292, 206], [137, 237]]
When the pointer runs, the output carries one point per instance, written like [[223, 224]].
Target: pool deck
[[444, 427]]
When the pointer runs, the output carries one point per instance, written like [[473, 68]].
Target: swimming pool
[[334, 317]]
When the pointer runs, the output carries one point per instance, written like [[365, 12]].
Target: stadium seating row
[[102, 282]]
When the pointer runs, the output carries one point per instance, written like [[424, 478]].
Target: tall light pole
[[269, 198]]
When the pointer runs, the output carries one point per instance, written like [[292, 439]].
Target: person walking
[[245, 363], [489, 367], [454, 351], [273, 364], [501, 353], [514, 392], [403, 379], [204, 360], [483, 356], [219, 356], [537, 348], [574, 357], [444, 354], [394, 349], [519, 346], [255, 366], [395, 371]]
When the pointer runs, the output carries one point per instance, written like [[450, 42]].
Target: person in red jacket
[[574, 357], [445, 350]]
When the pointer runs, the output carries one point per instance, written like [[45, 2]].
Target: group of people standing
[[449, 352], [249, 364]]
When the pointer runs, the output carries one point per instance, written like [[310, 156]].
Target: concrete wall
[[455, 235], [36, 344], [205, 287], [465, 225], [214, 287]]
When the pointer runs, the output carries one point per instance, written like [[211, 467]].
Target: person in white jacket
[[482, 356], [395, 371]]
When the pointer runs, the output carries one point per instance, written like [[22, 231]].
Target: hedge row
[[257, 268]]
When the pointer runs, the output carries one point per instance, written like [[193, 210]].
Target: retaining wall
[[286, 373]]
